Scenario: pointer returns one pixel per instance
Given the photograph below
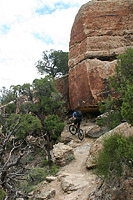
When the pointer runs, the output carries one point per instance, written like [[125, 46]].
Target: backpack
[[79, 114]]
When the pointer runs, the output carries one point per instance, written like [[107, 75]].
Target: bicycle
[[73, 130]]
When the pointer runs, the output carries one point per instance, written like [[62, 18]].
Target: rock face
[[101, 31]]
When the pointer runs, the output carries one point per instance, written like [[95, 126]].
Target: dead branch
[[8, 137], [9, 173], [13, 130]]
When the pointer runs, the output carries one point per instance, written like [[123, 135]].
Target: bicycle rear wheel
[[80, 134], [72, 129]]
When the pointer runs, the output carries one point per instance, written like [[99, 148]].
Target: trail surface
[[74, 181]]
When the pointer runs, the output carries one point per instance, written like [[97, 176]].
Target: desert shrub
[[10, 108], [117, 152], [110, 121], [53, 170], [25, 187], [44, 162], [2, 194], [36, 175], [54, 125]]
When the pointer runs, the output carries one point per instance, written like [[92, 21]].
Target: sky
[[29, 27]]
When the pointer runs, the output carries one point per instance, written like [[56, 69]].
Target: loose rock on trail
[[73, 181]]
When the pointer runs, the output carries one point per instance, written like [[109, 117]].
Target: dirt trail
[[79, 181]]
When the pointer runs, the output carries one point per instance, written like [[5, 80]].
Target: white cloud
[[19, 48]]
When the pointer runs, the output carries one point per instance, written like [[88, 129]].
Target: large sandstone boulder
[[101, 31]]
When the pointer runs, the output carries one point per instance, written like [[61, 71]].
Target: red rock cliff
[[101, 31]]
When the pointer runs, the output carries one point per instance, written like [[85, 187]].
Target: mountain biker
[[77, 117]]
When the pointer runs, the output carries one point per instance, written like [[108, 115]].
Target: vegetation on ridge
[[119, 104], [117, 154]]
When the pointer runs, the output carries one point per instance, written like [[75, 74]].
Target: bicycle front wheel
[[80, 134], [72, 129]]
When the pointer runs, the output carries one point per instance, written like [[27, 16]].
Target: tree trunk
[[48, 149]]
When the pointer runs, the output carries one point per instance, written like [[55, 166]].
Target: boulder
[[51, 178], [101, 31], [123, 129], [94, 131], [61, 154], [19, 199], [46, 194], [73, 182]]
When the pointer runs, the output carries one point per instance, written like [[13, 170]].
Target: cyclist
[[77, 117]]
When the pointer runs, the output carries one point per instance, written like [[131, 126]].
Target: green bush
[[119, 104], [44, 162], [117, 152], [29, 125], [54, 125], [110, 121], [2, 194], [53, 170], [36, 175], [10, 108]]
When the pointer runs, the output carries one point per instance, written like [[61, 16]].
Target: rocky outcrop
[[101, 31], [62, 154], [117, 188], [94, 131], [123, 129]]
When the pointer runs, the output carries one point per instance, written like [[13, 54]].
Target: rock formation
[[101, 31], [61, 154], [123, 129]]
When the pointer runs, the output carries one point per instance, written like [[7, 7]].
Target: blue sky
[[29, 27]]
